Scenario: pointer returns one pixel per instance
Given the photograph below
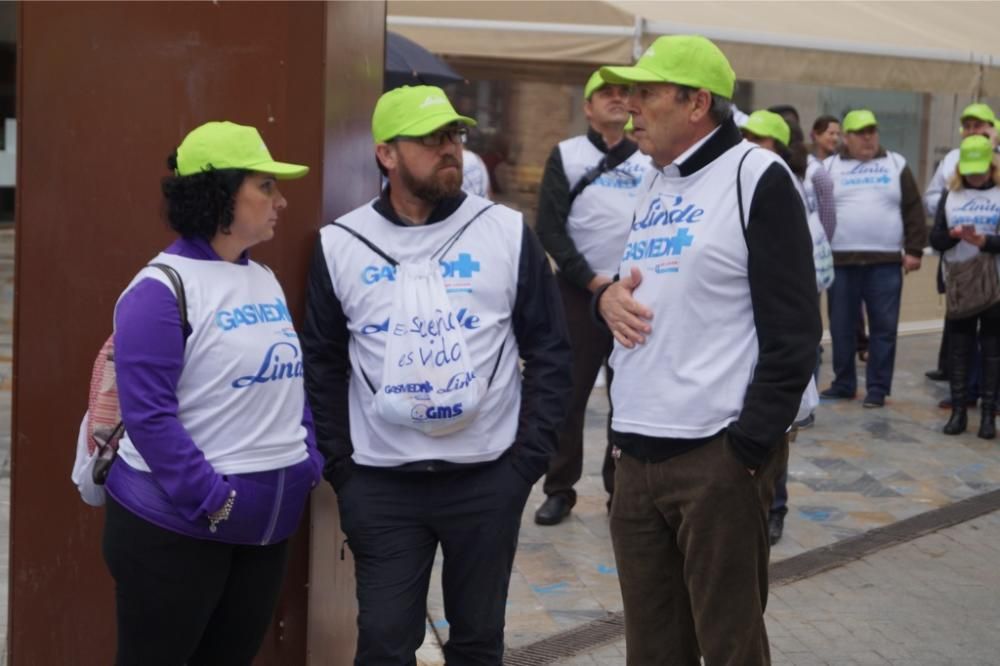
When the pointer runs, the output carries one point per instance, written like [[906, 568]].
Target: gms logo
[[667, 209], [462, 267], [424, 413], [866, 173]]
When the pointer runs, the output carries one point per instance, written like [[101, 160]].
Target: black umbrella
[[409, 64]]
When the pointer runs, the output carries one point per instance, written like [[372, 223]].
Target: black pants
[[394, 522], [591, 347], [181, 600]]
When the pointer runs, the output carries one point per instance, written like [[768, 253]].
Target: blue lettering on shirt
[[464, 266], [667, 209], [281, 361], [661, 246], [251, 314]]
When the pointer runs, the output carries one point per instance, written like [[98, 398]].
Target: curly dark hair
[[201, 205]]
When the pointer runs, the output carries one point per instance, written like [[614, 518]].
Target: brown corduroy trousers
[[691, 545]]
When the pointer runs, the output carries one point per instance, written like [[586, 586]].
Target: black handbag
[[971, 286]]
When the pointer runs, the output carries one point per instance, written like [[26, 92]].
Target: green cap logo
[[975, 155], [413, 111], [859, 119], [687, 60], [767, 124], [226, 145]]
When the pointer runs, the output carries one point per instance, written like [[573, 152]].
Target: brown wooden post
[[105, 92]]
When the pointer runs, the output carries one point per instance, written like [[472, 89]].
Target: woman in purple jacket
[[219, 454]]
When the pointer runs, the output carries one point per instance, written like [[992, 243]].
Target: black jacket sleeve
[[324, 339], [553, 211], [786, 316], [940, 240], [543, 340]]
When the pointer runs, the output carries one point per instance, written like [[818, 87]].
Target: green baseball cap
[[975, 155], [593, 83], [765, 123], [858, 119], [226, 145], [413, 111], [978, 111], [629, 125], [687, 60]]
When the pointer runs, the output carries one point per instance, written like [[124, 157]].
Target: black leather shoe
[[936, 375], [775, 527], [552, 510]]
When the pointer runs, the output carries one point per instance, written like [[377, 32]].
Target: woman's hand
[[969, 235]]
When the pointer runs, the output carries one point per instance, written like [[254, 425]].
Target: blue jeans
[[879, 286]]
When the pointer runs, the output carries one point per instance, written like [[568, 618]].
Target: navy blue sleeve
[[543, 342]]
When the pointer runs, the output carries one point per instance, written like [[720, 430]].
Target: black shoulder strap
[[739, 194], [178, 284], [371, 246], [443, 250], [588, 178]]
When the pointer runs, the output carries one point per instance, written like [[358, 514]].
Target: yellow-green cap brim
[[427, 124], [281, 170], [973, 167], [629, 75]]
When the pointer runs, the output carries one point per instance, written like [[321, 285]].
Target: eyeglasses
[[457, 135]]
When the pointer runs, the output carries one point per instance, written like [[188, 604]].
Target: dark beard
[[434, 188]]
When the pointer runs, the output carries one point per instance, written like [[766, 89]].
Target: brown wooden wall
[[105, 92]]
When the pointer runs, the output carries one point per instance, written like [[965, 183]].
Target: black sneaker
[[936, 375], [873, 401], [836, 393]]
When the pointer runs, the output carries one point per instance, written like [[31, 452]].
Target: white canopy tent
[[942, 47]]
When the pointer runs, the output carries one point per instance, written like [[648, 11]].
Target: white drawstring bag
[[429, 381]]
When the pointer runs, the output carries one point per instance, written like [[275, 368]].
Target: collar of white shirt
[[673, 170]]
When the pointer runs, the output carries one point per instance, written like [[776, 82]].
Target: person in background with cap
[[880, 226], [218, 456], [966, 224], [716, 321], [401, 492], [770, 131], [976, 119], [585, 206]]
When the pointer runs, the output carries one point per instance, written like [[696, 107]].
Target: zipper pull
[[342, 550]]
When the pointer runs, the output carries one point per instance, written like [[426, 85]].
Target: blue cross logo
[[463, 267], [681, 240]]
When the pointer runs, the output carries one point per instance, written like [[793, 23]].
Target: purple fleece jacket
[[183, 488]]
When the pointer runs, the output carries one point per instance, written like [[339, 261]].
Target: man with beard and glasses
[[403, 491], [585, 207]]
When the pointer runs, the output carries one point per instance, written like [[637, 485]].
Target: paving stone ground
[[857, 469], [933, 601]]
